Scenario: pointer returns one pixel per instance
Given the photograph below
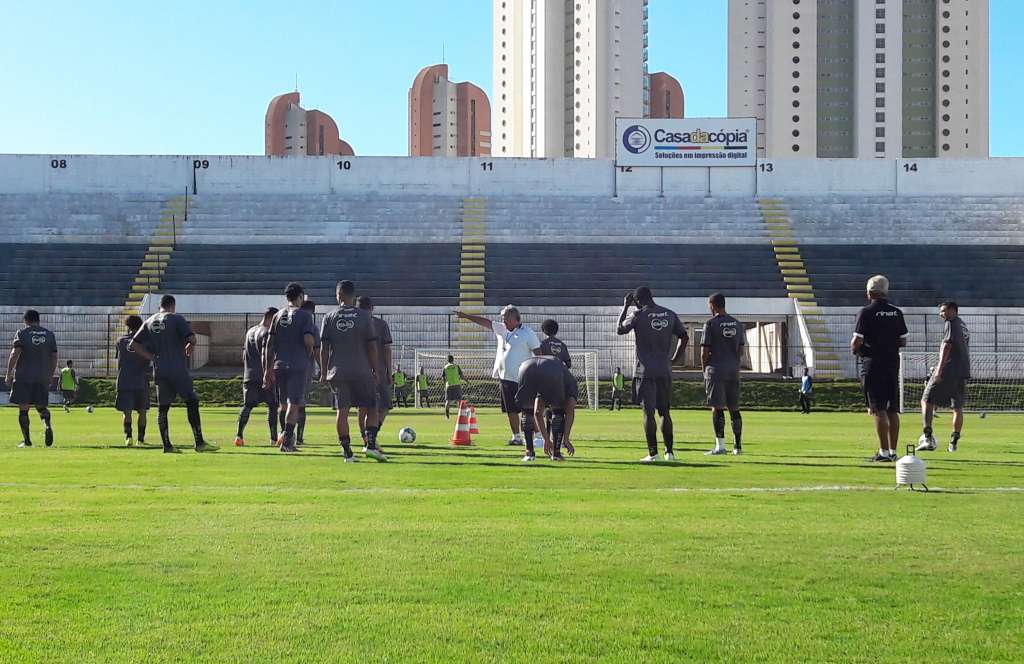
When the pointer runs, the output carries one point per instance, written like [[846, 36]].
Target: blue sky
[[194, 77]]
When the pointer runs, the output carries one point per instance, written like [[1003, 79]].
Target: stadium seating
[[67, 274]]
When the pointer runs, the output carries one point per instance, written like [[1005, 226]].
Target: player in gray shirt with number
[[286, 363], [349, 363], [30, 367], [721, 353], [948, 383]]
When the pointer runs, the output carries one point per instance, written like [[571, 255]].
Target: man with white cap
[[516, 344], [878, 335]]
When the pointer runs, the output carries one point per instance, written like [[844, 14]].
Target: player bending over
[[544, 382], [166, 340], [948, 383], [132, 383], [554, 347], [348, 356], [30, 367], [653, 329], [253, 392], [721, 353]]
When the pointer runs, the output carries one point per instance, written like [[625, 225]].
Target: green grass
[[796, 551]]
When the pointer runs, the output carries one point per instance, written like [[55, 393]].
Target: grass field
[[796, 551]]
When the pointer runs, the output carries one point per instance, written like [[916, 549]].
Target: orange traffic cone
[[461, 436], [473, 430]]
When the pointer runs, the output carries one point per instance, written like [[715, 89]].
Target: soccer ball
[[407, 436], [88, 409]]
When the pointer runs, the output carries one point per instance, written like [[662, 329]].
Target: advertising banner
[[701, 142]]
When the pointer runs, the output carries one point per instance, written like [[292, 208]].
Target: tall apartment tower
[[666, 97], [563, 71], [862, 78], [292, 131], [447, 119]]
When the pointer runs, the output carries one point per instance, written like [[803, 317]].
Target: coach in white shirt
[[516, 344]]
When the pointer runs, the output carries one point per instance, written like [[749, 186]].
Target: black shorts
[[572, 387], [361, 393], [453, 393], [30, 394], [253, 394], [947, 392], [383, 402], [508, 397], [69, 395], [722, 391], [653, 393], [169, 388], [291, 386], [881, 388], [132, 399]]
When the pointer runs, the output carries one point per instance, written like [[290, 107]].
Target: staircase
[[779, 226], [471, 270]]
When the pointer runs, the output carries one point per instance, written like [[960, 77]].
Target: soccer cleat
[[203, 446], [882, 458], [515, 442], [376, 454], [952, 446], [350, 459], [669, 456], [25, 443], [66, 409], [128, 442], [170, 449], [48, 439], [718, 451], [557, 457], [650, 458], [926, 443], [239, 441], [528, 458], [737, 450]]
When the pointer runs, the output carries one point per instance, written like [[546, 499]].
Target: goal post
[[996, 383], [479, 388]]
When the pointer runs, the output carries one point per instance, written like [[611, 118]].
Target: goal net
[[996, 383], [479, 388]]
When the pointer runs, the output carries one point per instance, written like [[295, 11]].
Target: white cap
[[878, 284]]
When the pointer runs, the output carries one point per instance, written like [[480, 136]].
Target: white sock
[[719, 443], [883, 452]]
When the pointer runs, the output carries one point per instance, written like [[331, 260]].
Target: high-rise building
[[447, 119], [292, 131], [564, 70], [666, 98], [862, 78]]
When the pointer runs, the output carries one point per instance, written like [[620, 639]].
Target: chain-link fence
[[774, 344]]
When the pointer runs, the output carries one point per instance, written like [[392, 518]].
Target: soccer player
[[68, 385], [806, 385], [166, 340], [555, 347], [453, 378], [287, 359], [383, 399], [721, 352], [618, 387], [422, 386], [878, 335], [400, 381], [544, 382], [313, 373], [30, 367], [653, 328], [948, 383], [348, 356], [516, 344], [253, 393], [132, 383]]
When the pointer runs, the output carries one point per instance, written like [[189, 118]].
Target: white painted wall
[[169, 175]]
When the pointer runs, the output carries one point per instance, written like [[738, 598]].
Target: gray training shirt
[[653, 329], [35, 365], [288, 334], [555, 347], [724, 335], [958, 337], [164, 335], [344, 333], [252, 353], [132, 369]]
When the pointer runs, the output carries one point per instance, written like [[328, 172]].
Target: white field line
[[818, 488]]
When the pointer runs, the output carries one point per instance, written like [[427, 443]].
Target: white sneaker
[[926, 443], [351, 459], [528, 458], [128, 442], [376, 454], [669, 456], [515, 442], [718, 451], [736, 451], [650, 458]]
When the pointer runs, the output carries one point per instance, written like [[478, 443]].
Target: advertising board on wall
[[703, 142]]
